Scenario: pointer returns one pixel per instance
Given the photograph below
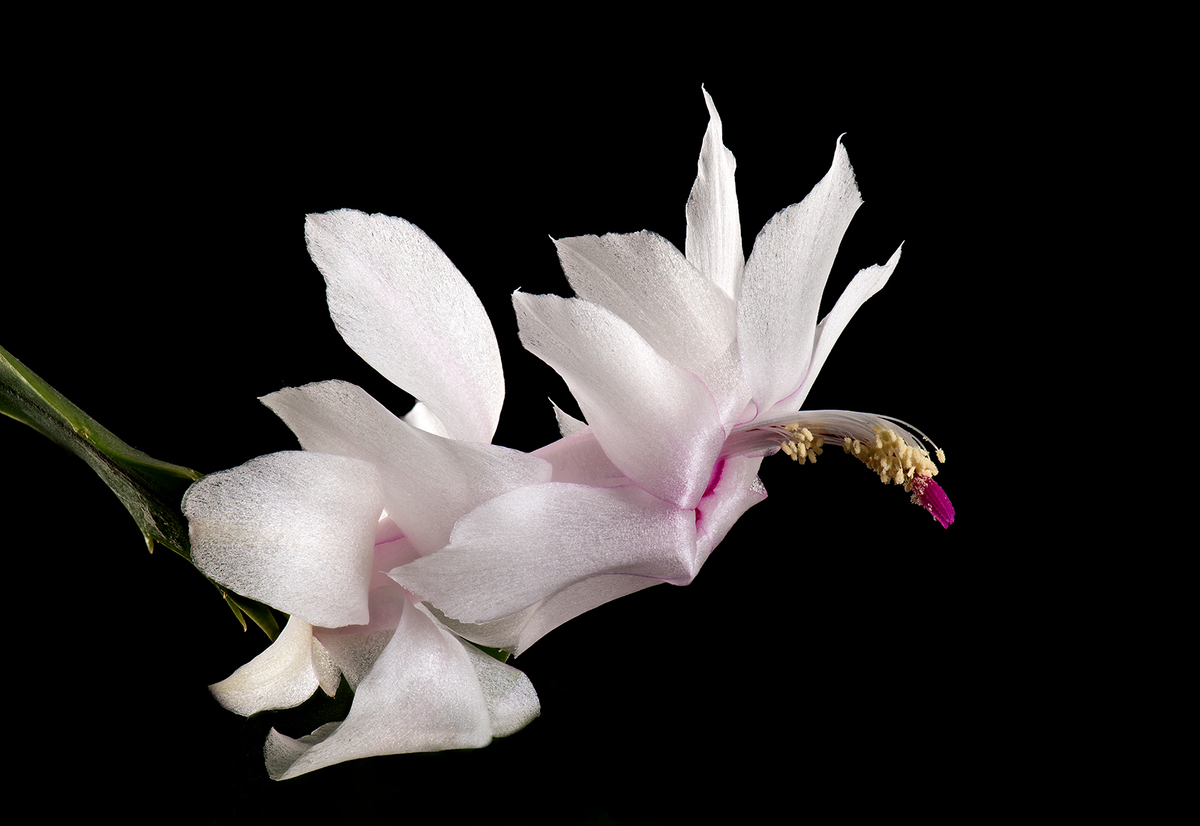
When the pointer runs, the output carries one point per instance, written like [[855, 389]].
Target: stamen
[[941, 454], [880, 442], [802, 445], [892, 457]]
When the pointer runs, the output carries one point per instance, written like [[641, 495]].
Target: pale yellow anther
[[894, 459], [802, 445]]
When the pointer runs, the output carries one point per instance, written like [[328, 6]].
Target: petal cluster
[[683, 362], [313, 532], [398, 545]]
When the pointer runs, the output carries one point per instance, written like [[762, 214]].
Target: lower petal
[[422, 694], [517, 633], [283, 676]]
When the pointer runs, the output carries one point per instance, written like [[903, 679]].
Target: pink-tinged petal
[[428, 481], [735, 488], [783, 281], [392, 548], [295, 530], [402, 305], [656, 421], [524, 547], [714, 231], [423, 693], [283, 676]]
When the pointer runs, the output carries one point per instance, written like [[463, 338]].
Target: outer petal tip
[[401, 304]]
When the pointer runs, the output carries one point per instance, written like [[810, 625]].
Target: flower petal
[[646, 281], [714, 231], [421, 416], [737, 488], [295, 530], [579, 458], [567, 424], [512, 702], [864, 285], [657, 421], [428, 481], [518, 632], [422, 694], [784, 278], [402, 305], [283, 676], [523, 547], [355, 648]]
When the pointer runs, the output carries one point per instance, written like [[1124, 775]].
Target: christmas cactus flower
[[312, 532], [681, 361], [689, 367]]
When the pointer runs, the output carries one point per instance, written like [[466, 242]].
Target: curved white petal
[[521, 548], [422, 417], [567, 424], [646, 281], [283, 676], [295, 530], [714, 231], [580, 458], [512, 702], [422, 694], [518, 632], [783, 281], [355, 648], [656, 421], [864, 285], [428, 481], [402, 305]]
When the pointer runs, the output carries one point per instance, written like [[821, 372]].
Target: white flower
[[386, 538], [312, 532], [679, 361], [689, 368]]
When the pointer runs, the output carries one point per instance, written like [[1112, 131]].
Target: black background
[[839, 651]]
